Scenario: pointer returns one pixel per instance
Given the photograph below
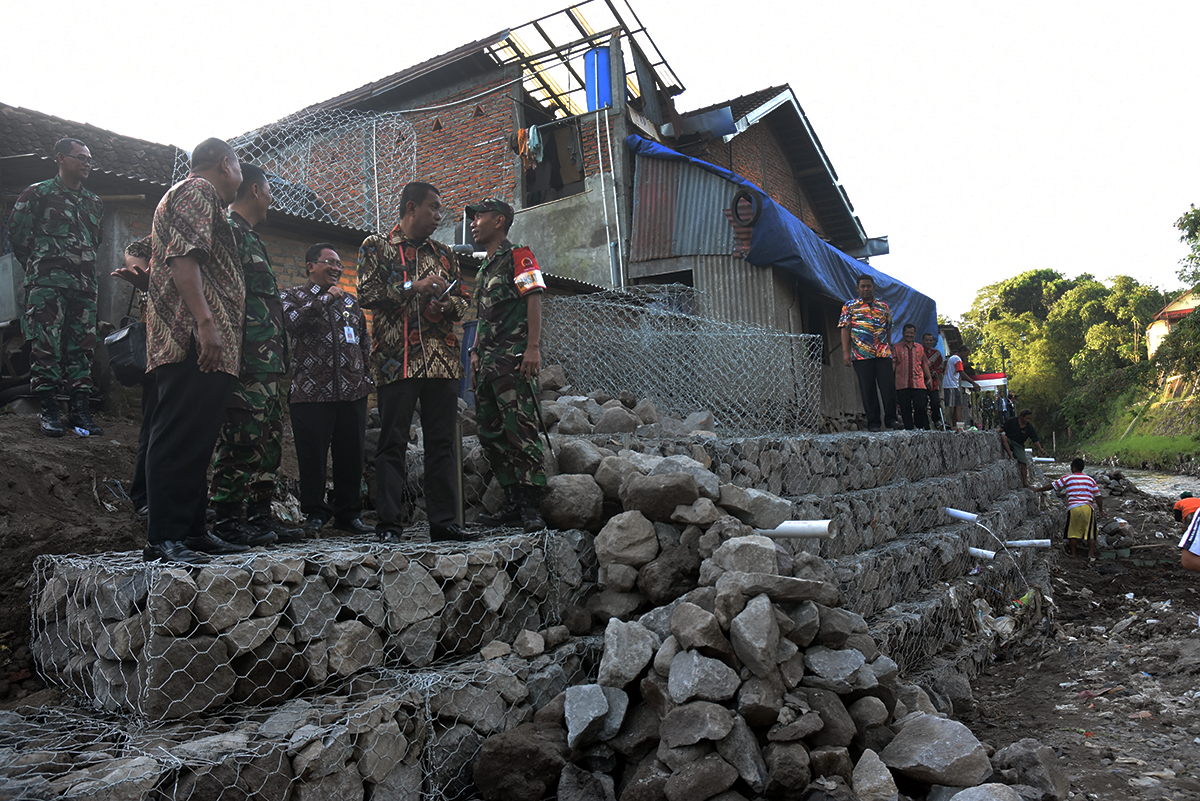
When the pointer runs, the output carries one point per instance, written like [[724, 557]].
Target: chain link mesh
[[655, 341], [340, 166], [170, 642], [397, 733]]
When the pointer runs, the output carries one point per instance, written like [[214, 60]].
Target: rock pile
[[754, 684], [169, 642]]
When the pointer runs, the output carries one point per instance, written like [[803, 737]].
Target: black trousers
[[912, 407], [877, 376], [183, 433], [319, 428], [935, 406], [137, 491], [439, 407]]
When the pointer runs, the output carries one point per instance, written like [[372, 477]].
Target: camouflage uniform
[[55, 232], [251, 443], [504, 400]]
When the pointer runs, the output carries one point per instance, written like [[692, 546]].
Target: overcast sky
[[982, 139]]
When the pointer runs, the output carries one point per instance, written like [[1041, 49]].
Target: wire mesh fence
[[338, 166], [410, 734], [167, 642], [655, 342]]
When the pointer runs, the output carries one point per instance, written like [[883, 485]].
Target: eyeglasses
[[81, 159], [330, 262]]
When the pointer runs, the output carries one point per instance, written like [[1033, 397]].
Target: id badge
[[351, 335]]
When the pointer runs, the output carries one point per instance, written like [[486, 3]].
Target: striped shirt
[[1081, 489], [1191, 536]]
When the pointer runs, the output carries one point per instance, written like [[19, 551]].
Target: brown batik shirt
[[330, 345], [190, 220], [411, 338]]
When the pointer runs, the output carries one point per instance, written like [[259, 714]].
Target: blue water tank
[[597, 68]]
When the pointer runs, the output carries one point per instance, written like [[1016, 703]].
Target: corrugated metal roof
[[679, 210]]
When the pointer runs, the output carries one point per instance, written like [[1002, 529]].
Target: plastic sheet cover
[[781, 240]]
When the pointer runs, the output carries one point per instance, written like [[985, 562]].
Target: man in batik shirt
[[505, 361], [912, 377], [866, 324], [411, 283], [55, 230], [251, 441], [937, 366], [194, 322]]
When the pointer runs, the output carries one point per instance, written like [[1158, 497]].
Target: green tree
[[1189, 266]]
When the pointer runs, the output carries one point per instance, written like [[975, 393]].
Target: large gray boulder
[[692, 722], [701, 780], [1036, 765], [872, 780], [755, 507], [938, 751], [572, 501], [695, 676], [585, 709], [755, 636], [752, 554], [617, 420], [611, 474], [627, 539], [578, 456], [628, 649], [740, 749], [657, 496], [522, 764], [706, 480]]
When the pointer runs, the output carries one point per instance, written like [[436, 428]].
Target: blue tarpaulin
[[780, 240]]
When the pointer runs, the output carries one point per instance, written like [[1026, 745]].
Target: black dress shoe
[[173, 551], [242, 533], [353, 526], [211, 543], [390, 535], [450, 533], [313, 525]]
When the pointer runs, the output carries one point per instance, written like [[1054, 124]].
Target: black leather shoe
[[450, 533], [267, 524], [79, 414], [390, 535], [239, 532], [173, 551], [313, 525], [528, 500], [212, 544], [51, 416], [353, 526], [508, 516]]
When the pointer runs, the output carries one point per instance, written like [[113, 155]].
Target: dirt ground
[[1109, 679]]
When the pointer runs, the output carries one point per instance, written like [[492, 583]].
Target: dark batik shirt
[[330, 346], [262, 343], [190, 220], [55, 232], [405, 329], [503, 333]]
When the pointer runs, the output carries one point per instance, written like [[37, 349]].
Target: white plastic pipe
[[1043, 458], [1028, 543], [959, 514], [800, 529], [981, 553]]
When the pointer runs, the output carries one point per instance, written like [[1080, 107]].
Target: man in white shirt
[[952, 384]]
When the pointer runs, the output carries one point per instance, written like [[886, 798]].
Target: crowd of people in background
[[218, 330]]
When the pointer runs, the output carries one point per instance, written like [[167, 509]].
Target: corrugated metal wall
[[679, 210]]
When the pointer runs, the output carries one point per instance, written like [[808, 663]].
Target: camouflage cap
[[491, 204]]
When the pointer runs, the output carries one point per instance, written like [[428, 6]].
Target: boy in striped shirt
[[1189, 546], [1082, 495]]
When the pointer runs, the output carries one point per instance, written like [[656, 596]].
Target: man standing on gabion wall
[[411, 283], [55, 229], [505, 361], [866, 324]]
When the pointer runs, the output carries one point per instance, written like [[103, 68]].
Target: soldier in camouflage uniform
[[55, 230], [250, 446], [505, 361]]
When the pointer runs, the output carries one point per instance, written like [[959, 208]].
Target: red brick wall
[[757, 156]]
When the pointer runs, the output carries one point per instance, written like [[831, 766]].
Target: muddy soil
[[60, 496], [1111, 680]]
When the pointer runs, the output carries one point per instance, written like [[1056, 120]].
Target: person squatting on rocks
[[411, 282], [956, 373], [331, 349], [912, 378], [1013, 436], [1185, 507], [937, 366], [250, 446], [505, 362], [55, 231], [194, 326], [1084, 505], [866, 324], [1189, 545]]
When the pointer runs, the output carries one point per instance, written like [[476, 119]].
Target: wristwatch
[[407, 285]]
